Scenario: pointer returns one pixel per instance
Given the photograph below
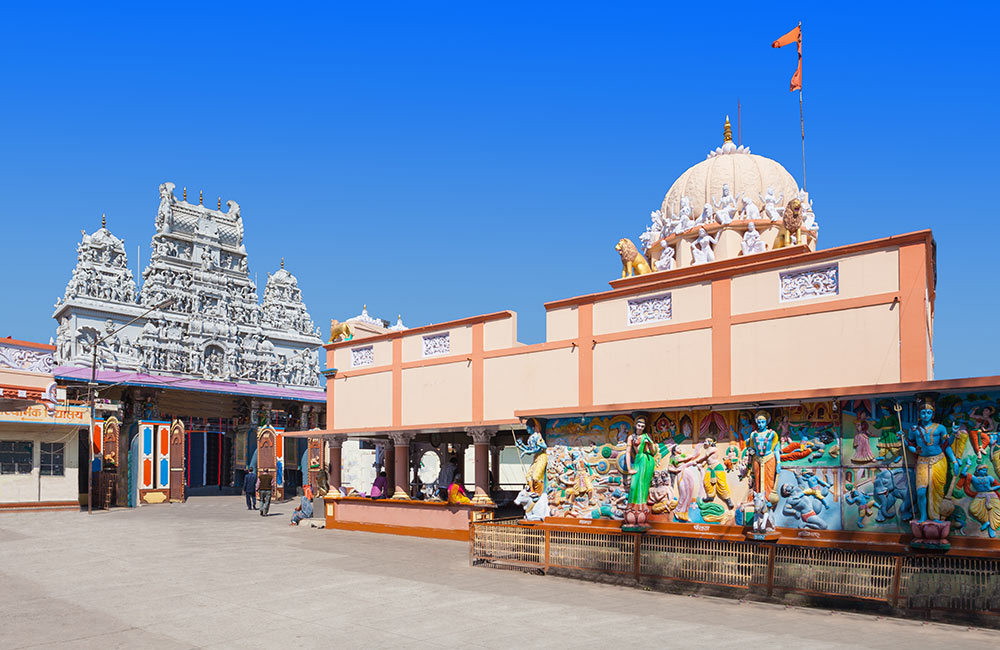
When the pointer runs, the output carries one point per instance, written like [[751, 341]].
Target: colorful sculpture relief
[[535, 444], [691, 464], [639, 465], [931, 442]]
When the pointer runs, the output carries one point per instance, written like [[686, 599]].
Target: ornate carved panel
[[650, 310], [361, 357], [810, 283], [437, 344]]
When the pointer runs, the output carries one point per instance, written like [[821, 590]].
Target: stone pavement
[[208, 573]]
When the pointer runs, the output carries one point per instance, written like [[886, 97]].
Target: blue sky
[[445, 160]]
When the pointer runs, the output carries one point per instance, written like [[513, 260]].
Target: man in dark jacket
[[250, 488], [265, 483]]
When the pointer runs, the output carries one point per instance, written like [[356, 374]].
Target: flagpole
[[802, 127], [802, 120]]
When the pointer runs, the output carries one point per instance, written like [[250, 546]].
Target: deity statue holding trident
[[932, 444], [535, 444]]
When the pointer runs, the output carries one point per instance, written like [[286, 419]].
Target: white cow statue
[[536, 506]]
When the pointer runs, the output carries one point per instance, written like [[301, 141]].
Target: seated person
[[378, 487], [322, 482], [305, 508], [456, 493]]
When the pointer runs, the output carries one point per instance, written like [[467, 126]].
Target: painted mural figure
[[640, 461], [985, 506], [864, 500], [862, 437], [803, 504], [715, 472], [535, 444], [766, 461], [932, 444]]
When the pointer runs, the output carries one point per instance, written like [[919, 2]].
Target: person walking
[[250, 488], [265, 483]]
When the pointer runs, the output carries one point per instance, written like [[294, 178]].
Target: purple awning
[[201, 385]]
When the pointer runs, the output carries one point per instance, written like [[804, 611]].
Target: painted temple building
[[190, 341], [727, 326]]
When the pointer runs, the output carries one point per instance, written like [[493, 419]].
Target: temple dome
[[743, 171]]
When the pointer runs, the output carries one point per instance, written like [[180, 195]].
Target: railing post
[[771, 553], [636, 550], [545, 559], [897, 572], [472, 542]]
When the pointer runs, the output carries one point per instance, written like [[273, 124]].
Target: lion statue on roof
[[633, 262]]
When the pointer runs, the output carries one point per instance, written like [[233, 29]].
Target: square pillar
[[401, 443], [336, 461]]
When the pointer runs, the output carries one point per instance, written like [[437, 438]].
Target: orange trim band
[[722, 357], [461, 322], [585, 348]]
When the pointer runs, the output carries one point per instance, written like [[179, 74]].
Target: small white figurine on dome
[[750, 211], [725, 207], [752, 242], [702, 249], [706, 216], [665, 262], [771, 204], [808, 216]]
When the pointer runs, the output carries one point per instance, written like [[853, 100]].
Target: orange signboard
[[39, 414]]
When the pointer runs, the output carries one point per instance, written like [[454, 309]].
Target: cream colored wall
[[438, 393], [668, 366], [562, 324], [26, 488], [461, 342], [500, 334], [24, 378], [382, 351], [363, 402], [864, 274], [688, 303], [853, 347], [526, 381]]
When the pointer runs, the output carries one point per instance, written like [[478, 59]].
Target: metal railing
[[904, 583]]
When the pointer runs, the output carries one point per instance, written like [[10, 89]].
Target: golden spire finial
[[282, 262], [201, 197], [727, 132], [220, 203], [185, 194], [104, 219]]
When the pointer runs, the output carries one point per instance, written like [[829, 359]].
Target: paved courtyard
[[208, 573]]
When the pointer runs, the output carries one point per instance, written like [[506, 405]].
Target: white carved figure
[[703, 249], [725, 207], [536, 506], [165, 211], [763, 516], [771, 204], [654, 231], [665, 262], [750, 210], [752, 242], [808, 216], [706, 216]]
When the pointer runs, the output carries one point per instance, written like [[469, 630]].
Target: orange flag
[[794, 36]]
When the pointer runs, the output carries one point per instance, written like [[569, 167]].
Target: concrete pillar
[[388, 466], [336, 461], [401, 442], [495, 467], [481, 440]]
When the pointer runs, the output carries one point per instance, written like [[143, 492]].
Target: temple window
[[16, 456], [52, 459]]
